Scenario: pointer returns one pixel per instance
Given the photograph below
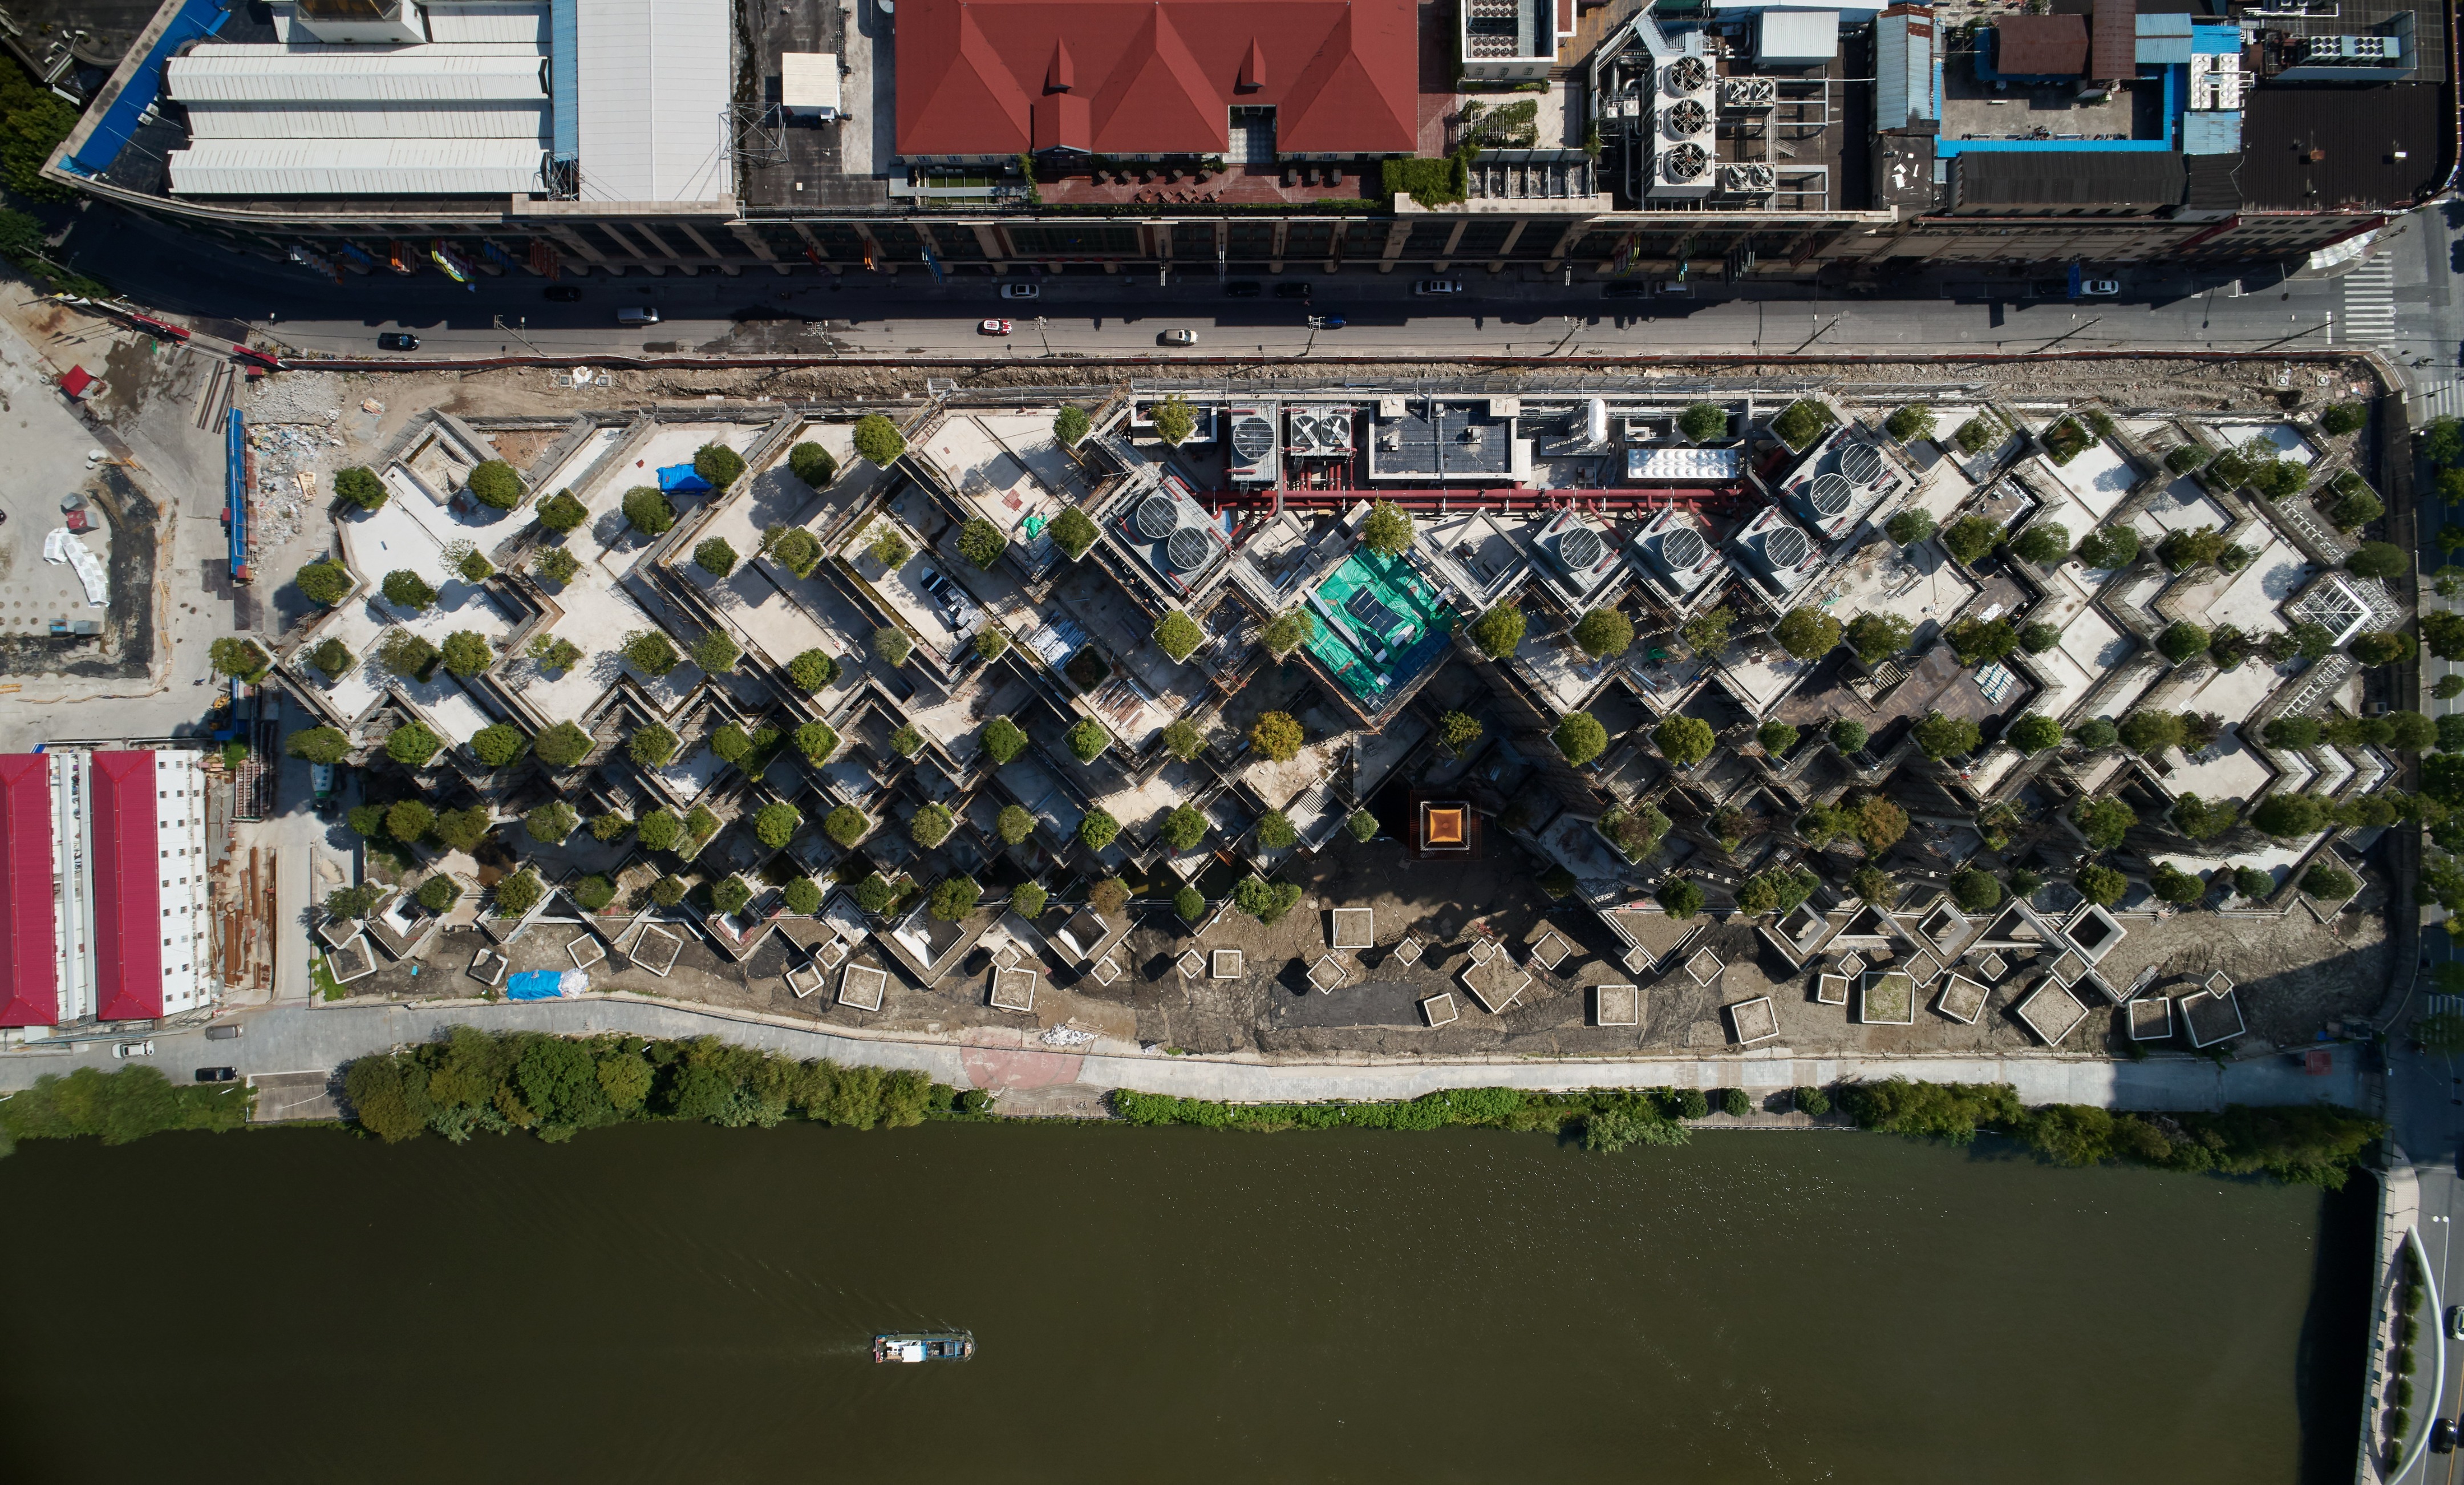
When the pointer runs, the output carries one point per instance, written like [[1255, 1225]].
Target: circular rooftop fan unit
[[1157, 515], [1861, 463], [1580, 546], [1829, 495], [1687, 116], [1683, 548], [1786, 547], [1688, 74], [1187, 547], [1688, 161], [1253, 438]]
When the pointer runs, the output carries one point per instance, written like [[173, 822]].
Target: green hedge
[[476, 1081], [1625, 1116], [2310, 1145], [117, 1107]]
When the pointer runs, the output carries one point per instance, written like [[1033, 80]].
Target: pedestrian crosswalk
[[2369, 303]]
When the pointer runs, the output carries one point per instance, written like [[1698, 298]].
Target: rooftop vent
[[1253, 438], [1188, 549], [1829, 495], [1683, 548], [1786, 547], [1861, 463], [1688, 74], [1580, 548], [1753, 178], [1158, 515], [1683, 118], [1748, 91], [1686, 162]]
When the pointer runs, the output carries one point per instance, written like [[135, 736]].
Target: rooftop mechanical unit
[[1318, 432], [1581, 551], [1253, 458], [1751, 179], [1687, 93], [1676, 543], [1779, 549], [1860, 464], [1746, 93], [1172, 533]]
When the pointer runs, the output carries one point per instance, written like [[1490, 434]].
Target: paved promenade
[[294, 1039]]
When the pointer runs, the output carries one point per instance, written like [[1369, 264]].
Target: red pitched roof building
[[985, 81], [103, 887]]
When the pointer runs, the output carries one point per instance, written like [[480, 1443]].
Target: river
[[681, 1304]]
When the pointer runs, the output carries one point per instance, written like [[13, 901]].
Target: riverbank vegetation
[[2310, 1146], [482, 1082], [2305, 1145], [117, 1107]]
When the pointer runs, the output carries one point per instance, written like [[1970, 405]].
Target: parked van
[[225, 1032], [636, 319]]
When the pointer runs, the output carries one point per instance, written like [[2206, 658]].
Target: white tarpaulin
[[62, 546]]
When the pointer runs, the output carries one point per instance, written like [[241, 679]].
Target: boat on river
[[924, 1345]]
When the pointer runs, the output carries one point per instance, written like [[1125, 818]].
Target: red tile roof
[[127, 887], [29, 977], [1154, 76]]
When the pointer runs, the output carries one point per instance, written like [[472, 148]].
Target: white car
[[133, 1050], [1021, 291], [1428, 287], [1177, 337], [2100, 288]]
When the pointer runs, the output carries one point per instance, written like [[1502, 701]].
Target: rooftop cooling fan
[[1861, 463], [1786, 547], [1830, 496], [1187, 548], [1688, 74], [1253, 438], [1156, 517], [1580, 546], [1686, 163], [1683, 548], [1686, 117]]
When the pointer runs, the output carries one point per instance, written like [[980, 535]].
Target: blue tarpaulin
[[545, 983], [121, 115], [681, 477]]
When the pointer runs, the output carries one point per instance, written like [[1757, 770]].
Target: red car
[[992, 327]]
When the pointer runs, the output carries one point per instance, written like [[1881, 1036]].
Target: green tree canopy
[[2103, 821], [1581, 738], [1014, 825], [1178, 635], [846, 825], [1498, 630], [1969, 538], [2183, 641], [1070, 425], [1388, 529], [775, 825], [494, 483], [716, 557], [1183, 829], [2101, 885], [890, 644], [2109, 548], [1684, 741], [1808, 633], [2034, 733], [1848, 736], [467, 652], [1173, 420], [652, 746], [1003, 739], [1947, 736], [648, 509], [405, 589], [1876, 638], [560, 512], [1072, 532], [878, 440], [1602, 632], [1098, 828], [1703, 421], [498, 744], [2376, 560], [326, 582], [1277, 735], [982, 542], [1089, 740], [360, 485], [2044, 543], [411, 744], [1909, 527]]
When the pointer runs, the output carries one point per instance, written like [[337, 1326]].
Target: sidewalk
[[286, 1039]]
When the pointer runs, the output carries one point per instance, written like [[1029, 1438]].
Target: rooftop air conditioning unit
[[1683, 549], [1686, 75], [1683, 119], [1830, 496], [1748, 93], [1861, 464], [1253, 444], [1685, 164], [1749, 180]]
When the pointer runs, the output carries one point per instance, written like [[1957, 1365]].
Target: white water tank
[[1596, 421]]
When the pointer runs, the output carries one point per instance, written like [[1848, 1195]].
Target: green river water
[[688, 1304]]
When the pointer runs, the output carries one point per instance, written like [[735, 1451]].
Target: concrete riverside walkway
[[296, 1039]]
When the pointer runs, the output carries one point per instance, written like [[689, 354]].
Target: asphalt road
[[1124, 313]]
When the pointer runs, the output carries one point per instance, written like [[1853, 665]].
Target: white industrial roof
[[1798, 36], [809, 79], [358, 168], [654, 98], [488, 20], [370, 121], [350, 74]]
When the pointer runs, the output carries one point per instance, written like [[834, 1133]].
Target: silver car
[[1177, 337]]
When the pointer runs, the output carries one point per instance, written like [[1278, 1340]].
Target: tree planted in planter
[[1277, 735]]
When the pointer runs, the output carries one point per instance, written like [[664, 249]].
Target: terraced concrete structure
[[1052, 651]]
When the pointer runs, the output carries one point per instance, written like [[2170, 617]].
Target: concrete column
[[1565, 244], [580, 248], [724, 266], [1446, 254], [1397, 234], [1275, 255], [759, 249], [990, 242], [1513, 236]]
